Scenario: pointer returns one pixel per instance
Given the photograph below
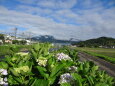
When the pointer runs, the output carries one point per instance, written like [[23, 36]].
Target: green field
[[9, 49], [102, 51]]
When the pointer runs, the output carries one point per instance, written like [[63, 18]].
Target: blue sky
[[63, 19]]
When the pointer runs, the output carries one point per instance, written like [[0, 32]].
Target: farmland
[[103, 51]]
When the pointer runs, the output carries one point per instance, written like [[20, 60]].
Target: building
[[1, 42]]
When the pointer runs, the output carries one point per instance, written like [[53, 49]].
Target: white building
[[1, 42]]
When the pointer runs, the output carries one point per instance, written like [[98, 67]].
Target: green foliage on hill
[[23, 42], [102, 41]]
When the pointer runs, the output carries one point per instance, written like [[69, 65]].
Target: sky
[[63, 19]]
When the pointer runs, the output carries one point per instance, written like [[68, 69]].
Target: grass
[[106, 54], [103, 51], [9, 49]]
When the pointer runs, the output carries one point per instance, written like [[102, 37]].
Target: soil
[[103, 65]]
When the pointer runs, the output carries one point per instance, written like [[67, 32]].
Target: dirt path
[[104, 65]]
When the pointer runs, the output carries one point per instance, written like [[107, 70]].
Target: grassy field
[[102, 51], [9, 49]]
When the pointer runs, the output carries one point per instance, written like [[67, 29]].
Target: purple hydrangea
[[65, 78], [3, 72], [62, 56]]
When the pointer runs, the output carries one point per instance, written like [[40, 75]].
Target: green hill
[[106, 42]]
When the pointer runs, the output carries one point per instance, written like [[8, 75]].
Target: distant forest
[[98, 42]]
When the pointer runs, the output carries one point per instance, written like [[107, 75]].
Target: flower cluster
[[42, 62], [23, 68], [62, 56], [3, 72], [65, 78], [3, 81]]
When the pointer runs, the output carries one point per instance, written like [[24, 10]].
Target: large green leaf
[[3, 65], [42, 71], [57, 68], [77, 78], [102, 84], [65, 84], [40, 82]]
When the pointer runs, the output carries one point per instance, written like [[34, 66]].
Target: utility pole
[[15, 32]]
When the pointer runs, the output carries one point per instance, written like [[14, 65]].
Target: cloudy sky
[[63, 19]]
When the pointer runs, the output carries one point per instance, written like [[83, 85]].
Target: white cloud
[[33, 10], [36, 24], [53, 4], [93, 22]]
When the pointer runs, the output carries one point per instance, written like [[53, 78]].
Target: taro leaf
[[42, 71], [77, 78], [3, 65], [65, 84], [40, 82]]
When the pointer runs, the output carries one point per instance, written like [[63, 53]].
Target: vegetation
[[23, 42], [2, 37], [106, 54], [11, 49], [51, 68], [110, 59], [102, 41]]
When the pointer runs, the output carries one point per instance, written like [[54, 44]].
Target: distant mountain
[[48, 38], [101, 41]]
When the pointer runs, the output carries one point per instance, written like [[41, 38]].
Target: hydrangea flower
[[3, 81], [65, 78], [23, 68], [42, 62], [5, 84], [3, 72], [62, 56]]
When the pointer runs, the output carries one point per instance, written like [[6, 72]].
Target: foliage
[[23, 42], [2, 37], [103, 51], [11, 49], [41, 67], [102, 41]]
